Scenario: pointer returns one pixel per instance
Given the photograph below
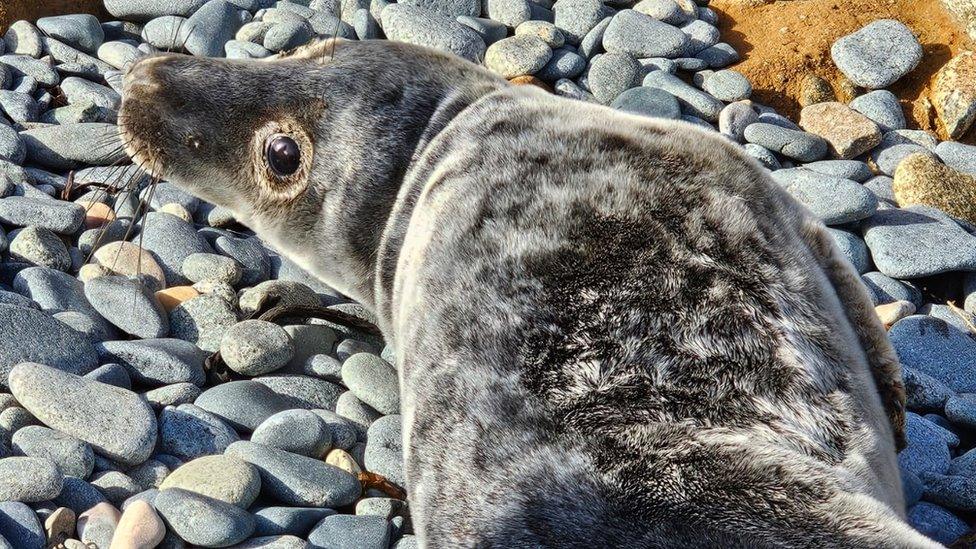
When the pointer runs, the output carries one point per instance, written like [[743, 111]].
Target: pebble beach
[[147, 399]]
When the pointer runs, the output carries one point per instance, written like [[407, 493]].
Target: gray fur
[[613, 331]]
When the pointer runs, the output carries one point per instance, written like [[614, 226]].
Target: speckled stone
[[954, 94], [416, 25], [640, 35], [29, 479], [225, 478], [518, 55], [921, 179], [692, 100], [611, 74], [878, 54], [155, 362], [188, 431], [30, 335], [202, 321], [201, 520], [848, 132], [575, 18], [129, 305], [72, 456]]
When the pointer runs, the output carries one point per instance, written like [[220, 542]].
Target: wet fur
[[612, 331]]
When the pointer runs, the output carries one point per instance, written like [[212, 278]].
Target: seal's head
[[309, 148]]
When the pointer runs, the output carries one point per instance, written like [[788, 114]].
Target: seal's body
[[612, 331]]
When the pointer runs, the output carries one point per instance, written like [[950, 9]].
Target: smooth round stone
[[352, 532], [54, 215], [957, 156], [156, 362], [322, 366], [129, 259], [81, 31], [29, 479], [640, 35], [294, 521], [938, 349], [611, 74], [359, 414], [73, 457], [56, 292], [652, 102], [882, 107], [243, 404], [719, 56], [853, 249], [884, 289], [120, 55], [29, 67], [80, 90], [297, 431], [298, 480], [303, 391], [40, 246], [128, 305], [889, 158], [113, 420], [188, 432], [344, 434], [171, 240], [12, 149], [955, 492], [511, 13], [202, 321], [667, 11], [728, 85], [97, 525], [167, 193], [32, 336], [878, 54], [449, 8], [149, 474], [274, 542], [416, 25], [22, 38], [144, 10], [918, 241], [255, 347], [65, 147], [575, 18], [79, 495], [384, 449], [213, 24], [854, 170], [564, 63], [139, 528], [489, 30], [288, 35], [834, 200], [592, 42], [937, 523], [517, 56], [692, 100], [116, 486], [701, 36], [20, 526], [224, 478], [961, 409], [165, 33], [202, 520], [544, 30], [373, 381], [19, 105], [928, 448], [171, 395], [208, 266], [735, 118], [343, 460], [795, 144], [249, 254]]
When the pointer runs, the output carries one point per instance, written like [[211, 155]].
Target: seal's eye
[[283, 154]]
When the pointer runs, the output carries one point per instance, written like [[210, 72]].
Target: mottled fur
[[612, 331]]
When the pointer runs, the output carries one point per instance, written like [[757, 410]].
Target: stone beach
[[115, 429]]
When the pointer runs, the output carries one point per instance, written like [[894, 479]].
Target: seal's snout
[[141, 79]]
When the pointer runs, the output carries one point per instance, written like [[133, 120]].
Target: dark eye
[[283, 154]]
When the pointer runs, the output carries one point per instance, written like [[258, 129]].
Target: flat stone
[[66, 147], [201, 520], [927, 450], [243, 404], [848, 132], [72, 456], [208, 266], [295, 521], [224, 478], [113, 420], [543, 30], [853, 249], [416, 25], [287, 36], [81, 90], [923, 180], [954, 94], [188, 432], [878, 54], [512, 13], [29, 479], [653, 102], [202, 321], [144, 10], [41, 247], [171, 240], [373, 381], [352, 532], [81, 30], [489, 30], [729, 86], [701, 36], [957, 156], [23, 66], [32, 336], [129, 305], [156, 362], [640, 35], [667, 11], [885, 289], [855, 170], [918, 241], [304, 391], [693, 101], [834, 200], [166, 32], [297, 431], [938, 349], [57, 216], [611, 74], [518, 55], [19, 106], [255, 347], [450, 8], [298, 480], [120, 55]]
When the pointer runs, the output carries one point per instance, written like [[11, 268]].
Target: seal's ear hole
[[283, 155]]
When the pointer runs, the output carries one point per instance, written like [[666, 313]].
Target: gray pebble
[[68, 146], [418, 26], [120, 55], [243, 404], [882, 107], [592, 43], [735, 118], [373, 381], [575, 18], [701, 36], [957, 156], [384, 449], [22, 65], [255, 347], [73, 457], [20, 526], [297, 431], [511, 13], [144, 10], [129, 305], [19, 106], [653, 102], [796, 144], [81, 31], [295, 521], [188, 432], [29, 479], [208, 266], [40, 246], [203, 520], [175, 394], [171, 240], [854, 170], [213, 24], [287, 36], [23, 38], [852, 247], [80, 90], [918, 241], [877, 55], [728, 85], [202, 321], [832, 199], [166, 33], [667, 11], [490, 31], [12, 149], [352, 532], [639, 35], [79, 495], [517, 56], [693, 101], [34, 336], [156, 362], [60, 217], [111, 374], [611, 74]]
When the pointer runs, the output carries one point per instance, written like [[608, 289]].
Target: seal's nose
[[142, 77]]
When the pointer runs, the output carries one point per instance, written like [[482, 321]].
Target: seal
[[611, 330]]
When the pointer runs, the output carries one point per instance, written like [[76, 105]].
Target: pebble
[[30, 335], [114, 421], [80, 90], [922, 179], [213, 24], [297, 431], [29, 479], [848, 132], [287, 36], [611, 74], [209, 266], [294, 521], [917, 241], [20, 526], [120, 55], [188, 432], [518, 55], [298, 480], [795, 144], [224, 478], [652, 102], [341, 459], [639, 35], [719, 56], [116, 486], [202, 321], [139, 528], [855, 170], [81, 31], [72, 457], [60, 525], [927, 450], [171, 240], [957, 156], [129, 305], [490, 31], [282, 292], [852, 248], [834, 200], [667, 11], [255, 347], [889, 158], [384, 449], [243, 404], [954, 94], [144, 10], [564, 63], [97, 524], [575, 18], [373, 381], [693, 101], [728, 86], [19, 106], [129, 259], [416, 25], [543, 30], [155, 362], [25, 67], [201, 520], [68, 146], [882, 107], [79, 495], [890, 313], [735, 118], [936, 522], [40, 246], [701, 36], [304, 391], [877, 55], [352, 532], [249, 254], [933, 347], [60, 217], [511, 13], [592, 42], [23, 38]]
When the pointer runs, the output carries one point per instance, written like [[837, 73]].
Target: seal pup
[[612, 331]]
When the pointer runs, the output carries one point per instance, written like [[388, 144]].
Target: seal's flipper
[[884, 364]]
